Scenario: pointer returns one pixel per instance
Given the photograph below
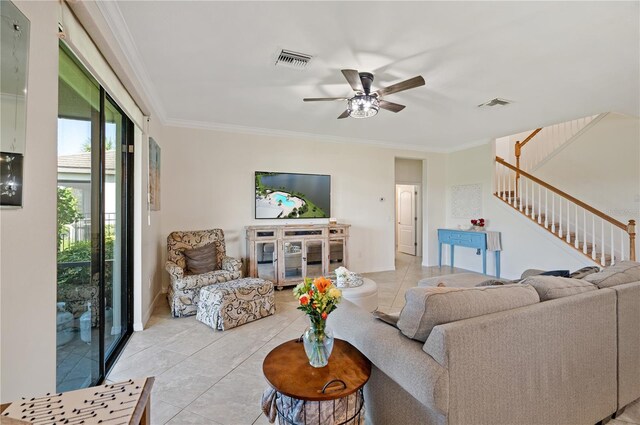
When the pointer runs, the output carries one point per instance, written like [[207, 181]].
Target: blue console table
[[469, 239]]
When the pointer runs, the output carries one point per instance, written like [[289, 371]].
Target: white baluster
[[568, 223], [577, 242], [584, 235], [553, 212], [622, 233], [560, 217], [539, 204], [603, 260], [504, 185], [613, 258], [533, 200], [526, 198], [509, 196], [594, 255], [546, 210], [520, 198]]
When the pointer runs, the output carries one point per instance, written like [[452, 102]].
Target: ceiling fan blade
[[353, 78], [345, 114], [401, 86], [390, 106], [322, 99]]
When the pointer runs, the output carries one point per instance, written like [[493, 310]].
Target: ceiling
[[211, 64]]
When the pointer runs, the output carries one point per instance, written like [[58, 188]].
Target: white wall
[[28, 235], [208, 181], [525, 245], [149, 252], [601, 167]]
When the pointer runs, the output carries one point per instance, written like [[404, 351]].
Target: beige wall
[[208, 182], [408, 171], [28, 235]]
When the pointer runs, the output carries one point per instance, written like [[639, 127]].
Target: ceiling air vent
[[294, 60], [495, 102]]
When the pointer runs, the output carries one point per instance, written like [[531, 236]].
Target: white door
[[407, 218]]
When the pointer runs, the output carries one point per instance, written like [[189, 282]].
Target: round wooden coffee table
[[331, 391]]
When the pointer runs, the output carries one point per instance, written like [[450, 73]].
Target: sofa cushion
[[202, 259], [552, 287], [617, 274], [426, 308]]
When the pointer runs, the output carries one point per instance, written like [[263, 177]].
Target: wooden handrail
[[529, 137], [592, 210]]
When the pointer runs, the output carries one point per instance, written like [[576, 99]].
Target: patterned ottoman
[[236, 302]]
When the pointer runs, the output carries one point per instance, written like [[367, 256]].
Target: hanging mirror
[[14, 28]]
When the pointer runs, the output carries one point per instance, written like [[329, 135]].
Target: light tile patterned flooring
[[215, 378]]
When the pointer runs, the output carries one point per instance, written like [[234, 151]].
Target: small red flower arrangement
[[478, 223]]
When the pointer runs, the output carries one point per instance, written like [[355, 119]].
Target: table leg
[[484, 261], [451, 255], [498, 264]]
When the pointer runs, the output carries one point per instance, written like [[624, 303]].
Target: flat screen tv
[[292, 196]]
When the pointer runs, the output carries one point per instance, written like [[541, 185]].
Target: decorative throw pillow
[[618, 274], [552, 287], [559, 273], [428, 307], [202, 259], [585, 271], [391, 319]]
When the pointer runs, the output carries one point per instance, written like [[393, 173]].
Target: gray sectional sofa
[[572, 358]]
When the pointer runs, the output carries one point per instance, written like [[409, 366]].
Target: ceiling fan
[[365, 103]]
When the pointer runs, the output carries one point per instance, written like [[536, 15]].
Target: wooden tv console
[[285, 254]]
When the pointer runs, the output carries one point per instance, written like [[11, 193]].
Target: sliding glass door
[[94, 300]]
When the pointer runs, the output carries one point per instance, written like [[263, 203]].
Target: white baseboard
[[139, 326]]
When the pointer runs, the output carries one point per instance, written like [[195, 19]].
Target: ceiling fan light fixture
[[363, 106]]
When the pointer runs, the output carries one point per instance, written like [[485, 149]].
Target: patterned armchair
[[184, 291]]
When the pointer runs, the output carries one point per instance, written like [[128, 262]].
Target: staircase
[[542, 143], [601, 238]]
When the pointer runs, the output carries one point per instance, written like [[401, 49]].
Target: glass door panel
[[266, 260], [314, 258], [336, 254], [114, 236], [293, 260], [77, 317], [94, 283]]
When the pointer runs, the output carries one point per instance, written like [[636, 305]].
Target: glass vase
[[318, 343]]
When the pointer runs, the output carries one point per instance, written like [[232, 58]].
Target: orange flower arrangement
[[317, 298]]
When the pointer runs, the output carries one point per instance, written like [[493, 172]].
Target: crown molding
[[260, 131], [118, 27]]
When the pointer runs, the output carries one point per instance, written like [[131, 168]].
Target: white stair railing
[[591, 232]]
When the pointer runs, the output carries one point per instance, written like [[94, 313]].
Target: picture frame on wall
[[154, 175], [11, 165]]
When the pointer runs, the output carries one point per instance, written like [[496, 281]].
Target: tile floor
[[215, 378]]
